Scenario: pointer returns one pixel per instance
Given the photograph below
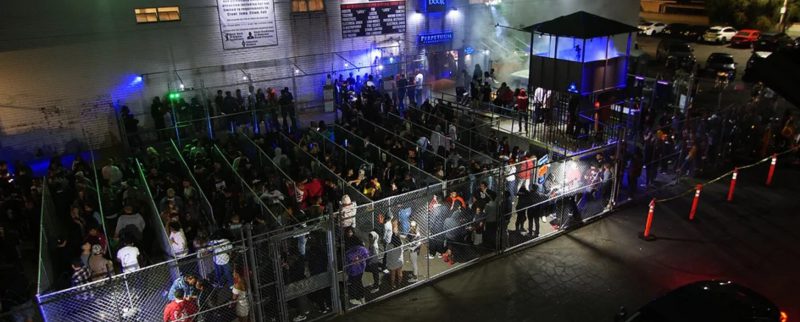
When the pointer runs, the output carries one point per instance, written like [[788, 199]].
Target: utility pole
[[784, 11]]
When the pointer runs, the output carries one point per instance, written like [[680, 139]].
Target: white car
[[651, 28], [719, 34]]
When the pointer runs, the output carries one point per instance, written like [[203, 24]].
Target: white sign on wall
[[247, 23]]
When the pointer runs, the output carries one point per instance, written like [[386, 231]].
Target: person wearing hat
[[348, 212], [100, 267]]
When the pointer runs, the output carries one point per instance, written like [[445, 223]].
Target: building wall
[[65, 65]]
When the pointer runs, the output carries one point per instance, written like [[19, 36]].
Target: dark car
[[755, 57], [708, 301], [683, 31], [721, 62], [674, 30], [773, 42], [676, 54]]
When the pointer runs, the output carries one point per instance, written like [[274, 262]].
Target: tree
[[759, 14]]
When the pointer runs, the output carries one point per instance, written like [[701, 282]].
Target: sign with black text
[[373, 18], [247, 23]]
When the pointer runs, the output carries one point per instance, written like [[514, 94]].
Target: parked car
[[719, 34], [676, 53], [651, 28], [707, 301], [745, 38], [755, 57], [675, 30], [721, 62], [773, 42]]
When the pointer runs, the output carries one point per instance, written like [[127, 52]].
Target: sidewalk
[[585, 275]]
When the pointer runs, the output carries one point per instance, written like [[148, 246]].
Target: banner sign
[[247, 23], [435, 5], [373, 18], [436, 38]]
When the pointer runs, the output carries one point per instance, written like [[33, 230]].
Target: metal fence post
[[255, 309]]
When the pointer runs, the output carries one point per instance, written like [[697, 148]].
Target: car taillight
[[784, 317]]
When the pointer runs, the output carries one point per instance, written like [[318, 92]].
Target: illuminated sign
[[372, 18], [437, 38], [435, 5]]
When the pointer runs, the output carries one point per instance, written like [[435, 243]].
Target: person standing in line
[[128, 256], [239, 291], [356, 256], [221, 246], [419, 83], [394, 261], [177, 240], [413, 251], [157, 111], [286, 102], [522, 110]]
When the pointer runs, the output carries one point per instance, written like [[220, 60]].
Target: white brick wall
[[63, 63]]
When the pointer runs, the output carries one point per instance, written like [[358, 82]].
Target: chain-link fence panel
[[142, 295]]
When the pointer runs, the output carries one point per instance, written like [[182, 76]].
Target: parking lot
[[701, 51]]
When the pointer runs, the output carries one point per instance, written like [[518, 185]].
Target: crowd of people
[[272, 175]]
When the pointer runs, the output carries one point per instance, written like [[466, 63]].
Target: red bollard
[[772, 168], [733, 184], [697, 190], [646, 234]]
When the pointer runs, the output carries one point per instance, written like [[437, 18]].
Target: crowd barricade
[[200, 204], [447, 118], [294, 271], [154, 222], [320, 170], [453, 146], [141, 295], [47, 270], [341, 155], [250, 203], [570, 132], [426, 158], [264, 161], [372, 149], [55, 221]]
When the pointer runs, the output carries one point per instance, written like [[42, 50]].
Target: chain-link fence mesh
[[403, 152], [142, 295], [304, 155]]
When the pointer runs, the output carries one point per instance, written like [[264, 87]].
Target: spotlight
[[380, 67], [297, 71], [346, 65], [138, 79], [182, 87], [244, 77]]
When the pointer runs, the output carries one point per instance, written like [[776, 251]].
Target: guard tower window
[[308, 5]]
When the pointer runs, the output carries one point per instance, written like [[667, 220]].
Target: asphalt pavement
[[587, 274], [701, 51]]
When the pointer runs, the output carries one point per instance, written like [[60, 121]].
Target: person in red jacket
[[522, 110], [180, 309], [525, 171]]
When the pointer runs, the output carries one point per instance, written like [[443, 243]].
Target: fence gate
[[297, 272]]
